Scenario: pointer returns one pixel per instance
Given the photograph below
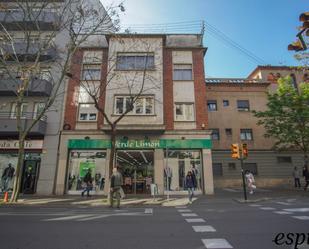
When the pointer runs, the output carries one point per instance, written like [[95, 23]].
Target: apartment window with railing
[[246, 134], [243, 105], [184, 112], [143, 105], [182, 72], [135, 61]]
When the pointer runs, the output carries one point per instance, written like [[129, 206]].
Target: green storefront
[[142, 162]]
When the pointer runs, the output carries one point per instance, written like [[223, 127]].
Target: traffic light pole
[[243, 177]]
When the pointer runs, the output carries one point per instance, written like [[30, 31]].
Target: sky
[[261, 28]]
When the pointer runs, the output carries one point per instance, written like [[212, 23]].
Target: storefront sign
[[141, 144], [13, 144]]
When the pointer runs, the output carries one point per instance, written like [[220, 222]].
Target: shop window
[[215, 135], [87, 112], [284, 159], [243, 105], [184, 112], [226, 103], [143, 105], [252, 167], [212, 105], [246, 134], [92, 57], [182, 72], [232, 166], [176, 166], [82, 161], [135, 61], [24, 113], [91, 72], [228, 132], [217, 169]]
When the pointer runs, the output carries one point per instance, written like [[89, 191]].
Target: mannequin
[[7, 176], [168, 173]]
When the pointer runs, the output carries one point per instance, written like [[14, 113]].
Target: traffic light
[[235, 151], [244, 151]]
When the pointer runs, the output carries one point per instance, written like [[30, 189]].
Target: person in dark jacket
[[88, 182], [190, 184]]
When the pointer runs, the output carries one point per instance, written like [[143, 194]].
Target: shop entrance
[[137, 168], [30, 176]]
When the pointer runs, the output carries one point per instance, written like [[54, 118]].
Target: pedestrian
[[296, 176], [7, 177], [306, 176], [195, 175], [190, 185], [115, 187], [88, 183], [250, 181]]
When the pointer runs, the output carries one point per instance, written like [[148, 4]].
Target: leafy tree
[[287, 116]]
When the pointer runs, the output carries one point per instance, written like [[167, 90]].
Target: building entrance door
[[30, 176], [137, 168]]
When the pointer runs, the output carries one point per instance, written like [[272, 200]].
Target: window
[[24, 107], [212, 105], [45, 75], [215, 135], [135, 61], [182, 72], [246, 134], [243, 105], [91, 72], [252, 167], [87, 112], [92, 57], [38, 108], [226, 103], [184, 112], [217, 169], [284, 159], [144, 105], [232, 166], [86, 88], [228, 132]]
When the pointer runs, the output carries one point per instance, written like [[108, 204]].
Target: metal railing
[[232, 80], [25, 115]]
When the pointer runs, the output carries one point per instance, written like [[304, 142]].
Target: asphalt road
[[207, 223]]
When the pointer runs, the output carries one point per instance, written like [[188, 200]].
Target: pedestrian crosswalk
[[280, 208], [211, 242]]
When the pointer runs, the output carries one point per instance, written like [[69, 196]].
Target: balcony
[[8, 124], [25, 51], [37, 87], [15, 20]]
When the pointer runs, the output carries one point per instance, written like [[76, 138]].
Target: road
[[210, 222]]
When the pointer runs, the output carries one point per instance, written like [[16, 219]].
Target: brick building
[[162, 138]]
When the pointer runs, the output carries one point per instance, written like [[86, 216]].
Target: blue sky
[[263, 27]]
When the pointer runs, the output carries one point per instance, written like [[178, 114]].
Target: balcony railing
[[15, 20], [8, 123], [37, 87], [232, 80]]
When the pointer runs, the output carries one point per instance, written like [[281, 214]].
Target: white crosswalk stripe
[[184, 210], [72, 217], [267, 208], [202, 229], [301, 217], [216, 243], [189, 215], [284, 203], [195, 220], [297, 210], [282, 212]]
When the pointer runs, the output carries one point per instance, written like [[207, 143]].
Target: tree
[[287, 116], [40, 38], [135, 84]]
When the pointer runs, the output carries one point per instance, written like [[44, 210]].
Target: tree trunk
[[18, 172], [113, 149]]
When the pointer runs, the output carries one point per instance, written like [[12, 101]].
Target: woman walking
[[190, 184]]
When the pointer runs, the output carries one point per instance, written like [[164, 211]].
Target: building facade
[[230, 102], [165, 134]]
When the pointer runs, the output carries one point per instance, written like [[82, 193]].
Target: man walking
[[296, 176], [115, 187], [88, 182], [306, 176]]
